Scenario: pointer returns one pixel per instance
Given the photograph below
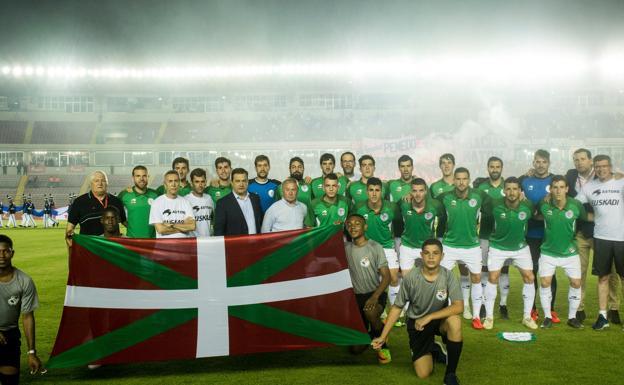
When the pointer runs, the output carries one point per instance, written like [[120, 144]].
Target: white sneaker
[[93, 366], [467, 313], [528, 322], [488, 324]]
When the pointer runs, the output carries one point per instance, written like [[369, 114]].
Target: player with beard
[[304, 192], [137, 203], [181, 165], [261, 185], [221, 186], [328, 163], [202, 204], [357, 191], [494, 187], [347, 162]]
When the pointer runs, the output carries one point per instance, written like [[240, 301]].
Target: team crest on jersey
[[441, 295], [271, 193], [341, 211], [324, 213], [384, 217], [304, 188], [569, 214], [522, 215], [428, 216], [150, 201], [472, 203], [13, 301], [365, 262]]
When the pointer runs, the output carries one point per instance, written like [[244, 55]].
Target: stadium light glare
[[6, 70], [611, 65], [17, 71]]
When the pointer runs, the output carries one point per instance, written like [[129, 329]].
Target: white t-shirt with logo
[[203, 209], [606, 198], [166, 210]]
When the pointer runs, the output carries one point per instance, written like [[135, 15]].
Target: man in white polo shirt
[[171, 214]]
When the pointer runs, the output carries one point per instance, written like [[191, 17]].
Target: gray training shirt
[[364, 264], [19, 295], [427, 297]]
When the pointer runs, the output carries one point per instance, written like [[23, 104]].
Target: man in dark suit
[[238, 212]]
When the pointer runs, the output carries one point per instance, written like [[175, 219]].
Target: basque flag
[[133, 300]]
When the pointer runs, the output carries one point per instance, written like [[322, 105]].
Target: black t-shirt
[[86, 211]]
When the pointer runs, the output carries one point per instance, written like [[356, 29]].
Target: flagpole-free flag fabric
[[133, 300]]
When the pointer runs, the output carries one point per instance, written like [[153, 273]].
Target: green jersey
[[380, 225], [462, 217], [304, 193], [137, 208], [323, 213], [317, 186], [560, 227], [356, 192], [510, 225], [217, 193], [397, 189], [495, 192], [439, 187], [182, 191], [420, 226]]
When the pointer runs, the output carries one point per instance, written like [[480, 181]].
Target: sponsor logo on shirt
[[605, 202], [441, 295], [358, 191], [13, 301], [133, 201], [503, 215], [172, 212], [453, 202], [409, 212], [324, 213], [399, 188], [600, 191], [365, 262]]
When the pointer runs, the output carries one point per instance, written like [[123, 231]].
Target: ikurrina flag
[[132, 300]]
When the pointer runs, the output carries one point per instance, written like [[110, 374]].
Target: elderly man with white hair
[[87, 208]]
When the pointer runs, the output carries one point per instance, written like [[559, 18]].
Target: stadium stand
[[12, 131], [62, 132]]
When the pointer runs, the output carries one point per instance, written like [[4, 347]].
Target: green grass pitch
[[559, 356]]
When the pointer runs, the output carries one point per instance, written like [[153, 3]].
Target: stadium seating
[[12, 131], [62, 133]]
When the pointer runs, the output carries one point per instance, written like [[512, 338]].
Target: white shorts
[[408, 257], [485, 252], [470, 257], [571, 265], [392, 258], [520, 258]]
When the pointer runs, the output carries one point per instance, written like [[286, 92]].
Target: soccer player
[[429, 290], [462, 206], [367, 264], [398, 188], [181, 165], [171, 214], [535, 188], [380, 215], [223, 185], [347, 162], [357, 191], [509, 216], [202, 204], [420, 216], [329, 208], [110, 222], [328, 163], [444, 184], [87, 208], [137, 203], [559, 249], [18, 295], [261, 185], [287, 213], [296, 168], [605, 195], [493, 186]]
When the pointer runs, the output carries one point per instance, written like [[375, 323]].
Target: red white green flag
[[133, 300]]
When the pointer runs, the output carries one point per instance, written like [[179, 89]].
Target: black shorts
[[607, 253], [10, 353], [361, 301], [421, 342]]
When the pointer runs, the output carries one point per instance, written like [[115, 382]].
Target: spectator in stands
[[87, 208]]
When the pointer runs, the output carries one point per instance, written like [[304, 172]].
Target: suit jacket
[[229, 218], [586, 228]]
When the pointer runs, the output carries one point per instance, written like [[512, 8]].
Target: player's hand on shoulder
[[214, 182], [308, 179], [407, 198], [129, 189], [618, 175], [530, 172]]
